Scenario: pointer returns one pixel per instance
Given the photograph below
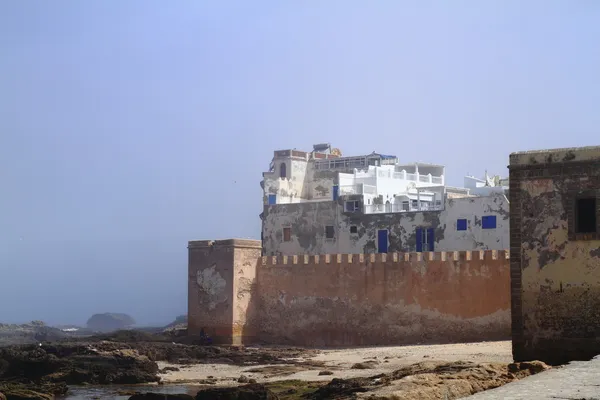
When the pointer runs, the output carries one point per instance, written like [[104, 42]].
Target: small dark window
[[353, 229], [329, 232], [282, 171], [352, 206], [488, 222], [585, 215], [287, 234], [461, 224]]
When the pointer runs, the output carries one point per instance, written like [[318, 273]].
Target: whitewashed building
[[320, 202]]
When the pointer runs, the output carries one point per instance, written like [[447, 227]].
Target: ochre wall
[[238, 297], [216, 270], [376, 299]]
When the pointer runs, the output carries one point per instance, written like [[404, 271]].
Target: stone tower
[[221, 278]]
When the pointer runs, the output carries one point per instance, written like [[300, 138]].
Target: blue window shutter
[[488, 222], [461, 224], [419, 240], [272, 199], [336, 189], [382, 241], [430, 239]]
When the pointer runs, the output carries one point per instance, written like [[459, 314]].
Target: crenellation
[[388, 258], [240, 307], [395, 257], [416, 257]]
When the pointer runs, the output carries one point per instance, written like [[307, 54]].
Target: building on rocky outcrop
[[555, 254], [320, 202]]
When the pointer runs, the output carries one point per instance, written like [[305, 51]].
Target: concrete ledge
[[554, 156], [241, 243]]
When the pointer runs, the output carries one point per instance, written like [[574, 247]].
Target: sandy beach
[[341, 363]]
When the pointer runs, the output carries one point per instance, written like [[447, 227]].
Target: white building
[[487, 185], [372, 194]]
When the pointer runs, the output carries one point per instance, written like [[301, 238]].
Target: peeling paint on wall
[[211, 284], [308, 220], [303, 183], [556, 278]]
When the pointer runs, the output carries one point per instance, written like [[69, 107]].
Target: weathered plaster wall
[[308, 221], [378, 299], [246, 259], [555, 274], [302, 182], [216, 271], [289, 189]]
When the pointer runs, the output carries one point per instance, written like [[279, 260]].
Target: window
[[461, 224], [282, 171], [354, 229], [287, 234], [352, 206], [585, 215], [425, 239], [329, 231], [488, 222], [405, 206]]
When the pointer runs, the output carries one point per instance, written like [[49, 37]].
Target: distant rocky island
[[109, 322]]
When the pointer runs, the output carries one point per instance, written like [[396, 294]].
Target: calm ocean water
[[112, 392]]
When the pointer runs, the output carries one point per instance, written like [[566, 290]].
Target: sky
[[128, 128]]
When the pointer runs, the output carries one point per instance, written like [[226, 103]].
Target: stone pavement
[[578, 380]]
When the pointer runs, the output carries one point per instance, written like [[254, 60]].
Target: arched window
[[282, 171]]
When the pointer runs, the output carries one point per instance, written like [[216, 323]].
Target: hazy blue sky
[[129, 127]]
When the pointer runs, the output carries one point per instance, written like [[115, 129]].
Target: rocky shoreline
[[47, 369], [43, 370]]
